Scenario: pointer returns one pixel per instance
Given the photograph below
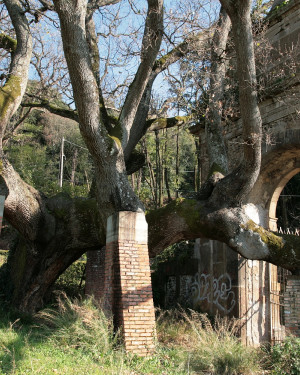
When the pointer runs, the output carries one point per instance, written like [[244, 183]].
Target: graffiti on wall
[[170, 291], [214, 290]]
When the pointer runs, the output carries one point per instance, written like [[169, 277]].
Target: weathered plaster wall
[[253, 297]]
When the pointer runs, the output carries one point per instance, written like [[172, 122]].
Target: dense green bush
[[285, 357]]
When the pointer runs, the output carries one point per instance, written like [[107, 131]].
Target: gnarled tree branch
[[189, 219]]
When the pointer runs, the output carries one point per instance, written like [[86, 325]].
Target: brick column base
[[127, 283], [292, 305]]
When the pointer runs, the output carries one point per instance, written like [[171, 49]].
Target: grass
[[74, 338], [77, 338], [217, 349]]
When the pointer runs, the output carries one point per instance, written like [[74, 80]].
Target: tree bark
[[114, 192], [213, 124], [235, 187]]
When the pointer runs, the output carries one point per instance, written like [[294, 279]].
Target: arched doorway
[[284, 204], [288, 207], [275, 197]]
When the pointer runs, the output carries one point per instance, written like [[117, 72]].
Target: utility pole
[[61, 163]]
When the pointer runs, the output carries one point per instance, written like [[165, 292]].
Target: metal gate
[[277, 285]]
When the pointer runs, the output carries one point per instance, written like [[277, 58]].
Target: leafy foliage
[[169, 171], [71, 281], [285, 357], [35, 148], [178, 252]]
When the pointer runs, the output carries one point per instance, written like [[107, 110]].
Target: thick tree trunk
[[213, 127], [235, 187], [114, 192], [34, 264]]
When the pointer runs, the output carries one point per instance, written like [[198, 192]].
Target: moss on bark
[[215, 168], [8, 43], [168, 122], [9, 93], [186, 214], [284, 249]]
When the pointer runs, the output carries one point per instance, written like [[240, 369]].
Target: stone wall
[[292, 305], [205, 281], [217, 281]]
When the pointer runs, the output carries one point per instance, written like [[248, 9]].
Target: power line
[[74, 144]]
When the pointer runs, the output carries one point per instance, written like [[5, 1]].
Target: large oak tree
[[55, 231]]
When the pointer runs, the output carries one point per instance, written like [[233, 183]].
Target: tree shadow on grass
[[18, 335], [79, 326]]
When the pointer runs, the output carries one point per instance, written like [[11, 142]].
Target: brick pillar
[[94, 274], [292, 305], [127, 284]]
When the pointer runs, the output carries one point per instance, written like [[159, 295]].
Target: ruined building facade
[[215, 279]]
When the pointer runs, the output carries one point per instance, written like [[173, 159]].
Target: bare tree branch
[[194, 43], [168, 122], [243, 179], [85, 87], [230, 226], [63, 112], [140, 126], [47, 4], [16, 126], [95, 57]]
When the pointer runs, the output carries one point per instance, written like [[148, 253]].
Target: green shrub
[[71, 281], [285, 357]]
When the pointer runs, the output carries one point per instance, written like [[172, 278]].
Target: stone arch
[[275, 197], [280, 162]]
